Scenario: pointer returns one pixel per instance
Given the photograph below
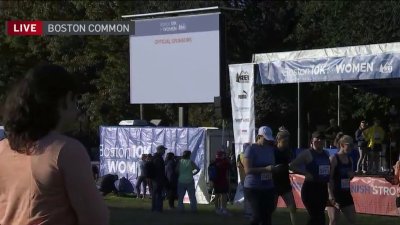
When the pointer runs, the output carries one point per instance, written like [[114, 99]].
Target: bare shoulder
[[65, 146], [66, 141], [4, 145]]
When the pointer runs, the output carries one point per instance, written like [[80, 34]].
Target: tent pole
[[338, 105], [298, 114], [223, 135], [141, 111], [183, 115]]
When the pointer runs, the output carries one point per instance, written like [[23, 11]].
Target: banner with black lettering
[[242, 98]]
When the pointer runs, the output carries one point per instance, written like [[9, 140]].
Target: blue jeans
[[141, 181], [157, 197], [189, 187]]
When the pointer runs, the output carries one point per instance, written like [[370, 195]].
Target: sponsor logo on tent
[[238, 120], [242, 109], [386, 68], [243, 77], [243, 95]]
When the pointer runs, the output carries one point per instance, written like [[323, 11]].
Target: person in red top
[[221, 183]]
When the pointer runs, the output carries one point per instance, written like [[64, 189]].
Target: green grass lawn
[[130, 211]]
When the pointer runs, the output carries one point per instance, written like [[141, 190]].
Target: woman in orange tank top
[[45, 177]]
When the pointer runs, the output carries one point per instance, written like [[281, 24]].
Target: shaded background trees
[[102, 62]]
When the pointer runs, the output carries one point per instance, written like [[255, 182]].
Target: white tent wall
[[215, 138]]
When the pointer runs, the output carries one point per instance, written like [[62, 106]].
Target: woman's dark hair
[[169, 156], [31, 108], [186, 154], [336, 143]]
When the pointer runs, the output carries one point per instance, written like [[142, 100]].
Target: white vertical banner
[[242, 97]]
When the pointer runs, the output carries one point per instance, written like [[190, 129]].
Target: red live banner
[[23, 28], [371, 195]]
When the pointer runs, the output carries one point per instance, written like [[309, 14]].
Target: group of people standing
[[266, 166], [378, 145], [372, 142], [172, 177]]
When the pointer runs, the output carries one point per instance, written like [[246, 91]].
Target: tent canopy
[[374, 68], [370, 67]]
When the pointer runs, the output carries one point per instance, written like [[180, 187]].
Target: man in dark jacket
[[159, 179], [172, 179]]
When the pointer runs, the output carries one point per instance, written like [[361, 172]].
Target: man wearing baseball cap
[[266, 133], [259, 189]]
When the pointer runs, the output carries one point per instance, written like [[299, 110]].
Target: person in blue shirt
[[340, 198], [258, 163], [314, 192]]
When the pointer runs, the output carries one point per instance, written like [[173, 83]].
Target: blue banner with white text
[[121, 148], [363, 67]]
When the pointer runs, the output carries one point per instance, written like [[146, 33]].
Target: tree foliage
[[102, 62]]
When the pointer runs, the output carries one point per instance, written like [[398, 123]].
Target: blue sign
[[177, 25], [122, 147], [365, 67]]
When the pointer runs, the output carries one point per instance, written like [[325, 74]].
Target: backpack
[[125, 186], [149, 170], [212, 172], [107, 183]]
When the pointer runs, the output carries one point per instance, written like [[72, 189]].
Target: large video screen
[[175, 60]]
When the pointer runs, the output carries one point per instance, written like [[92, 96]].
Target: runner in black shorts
[[314, 192], [280, 173], [340, 198]]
